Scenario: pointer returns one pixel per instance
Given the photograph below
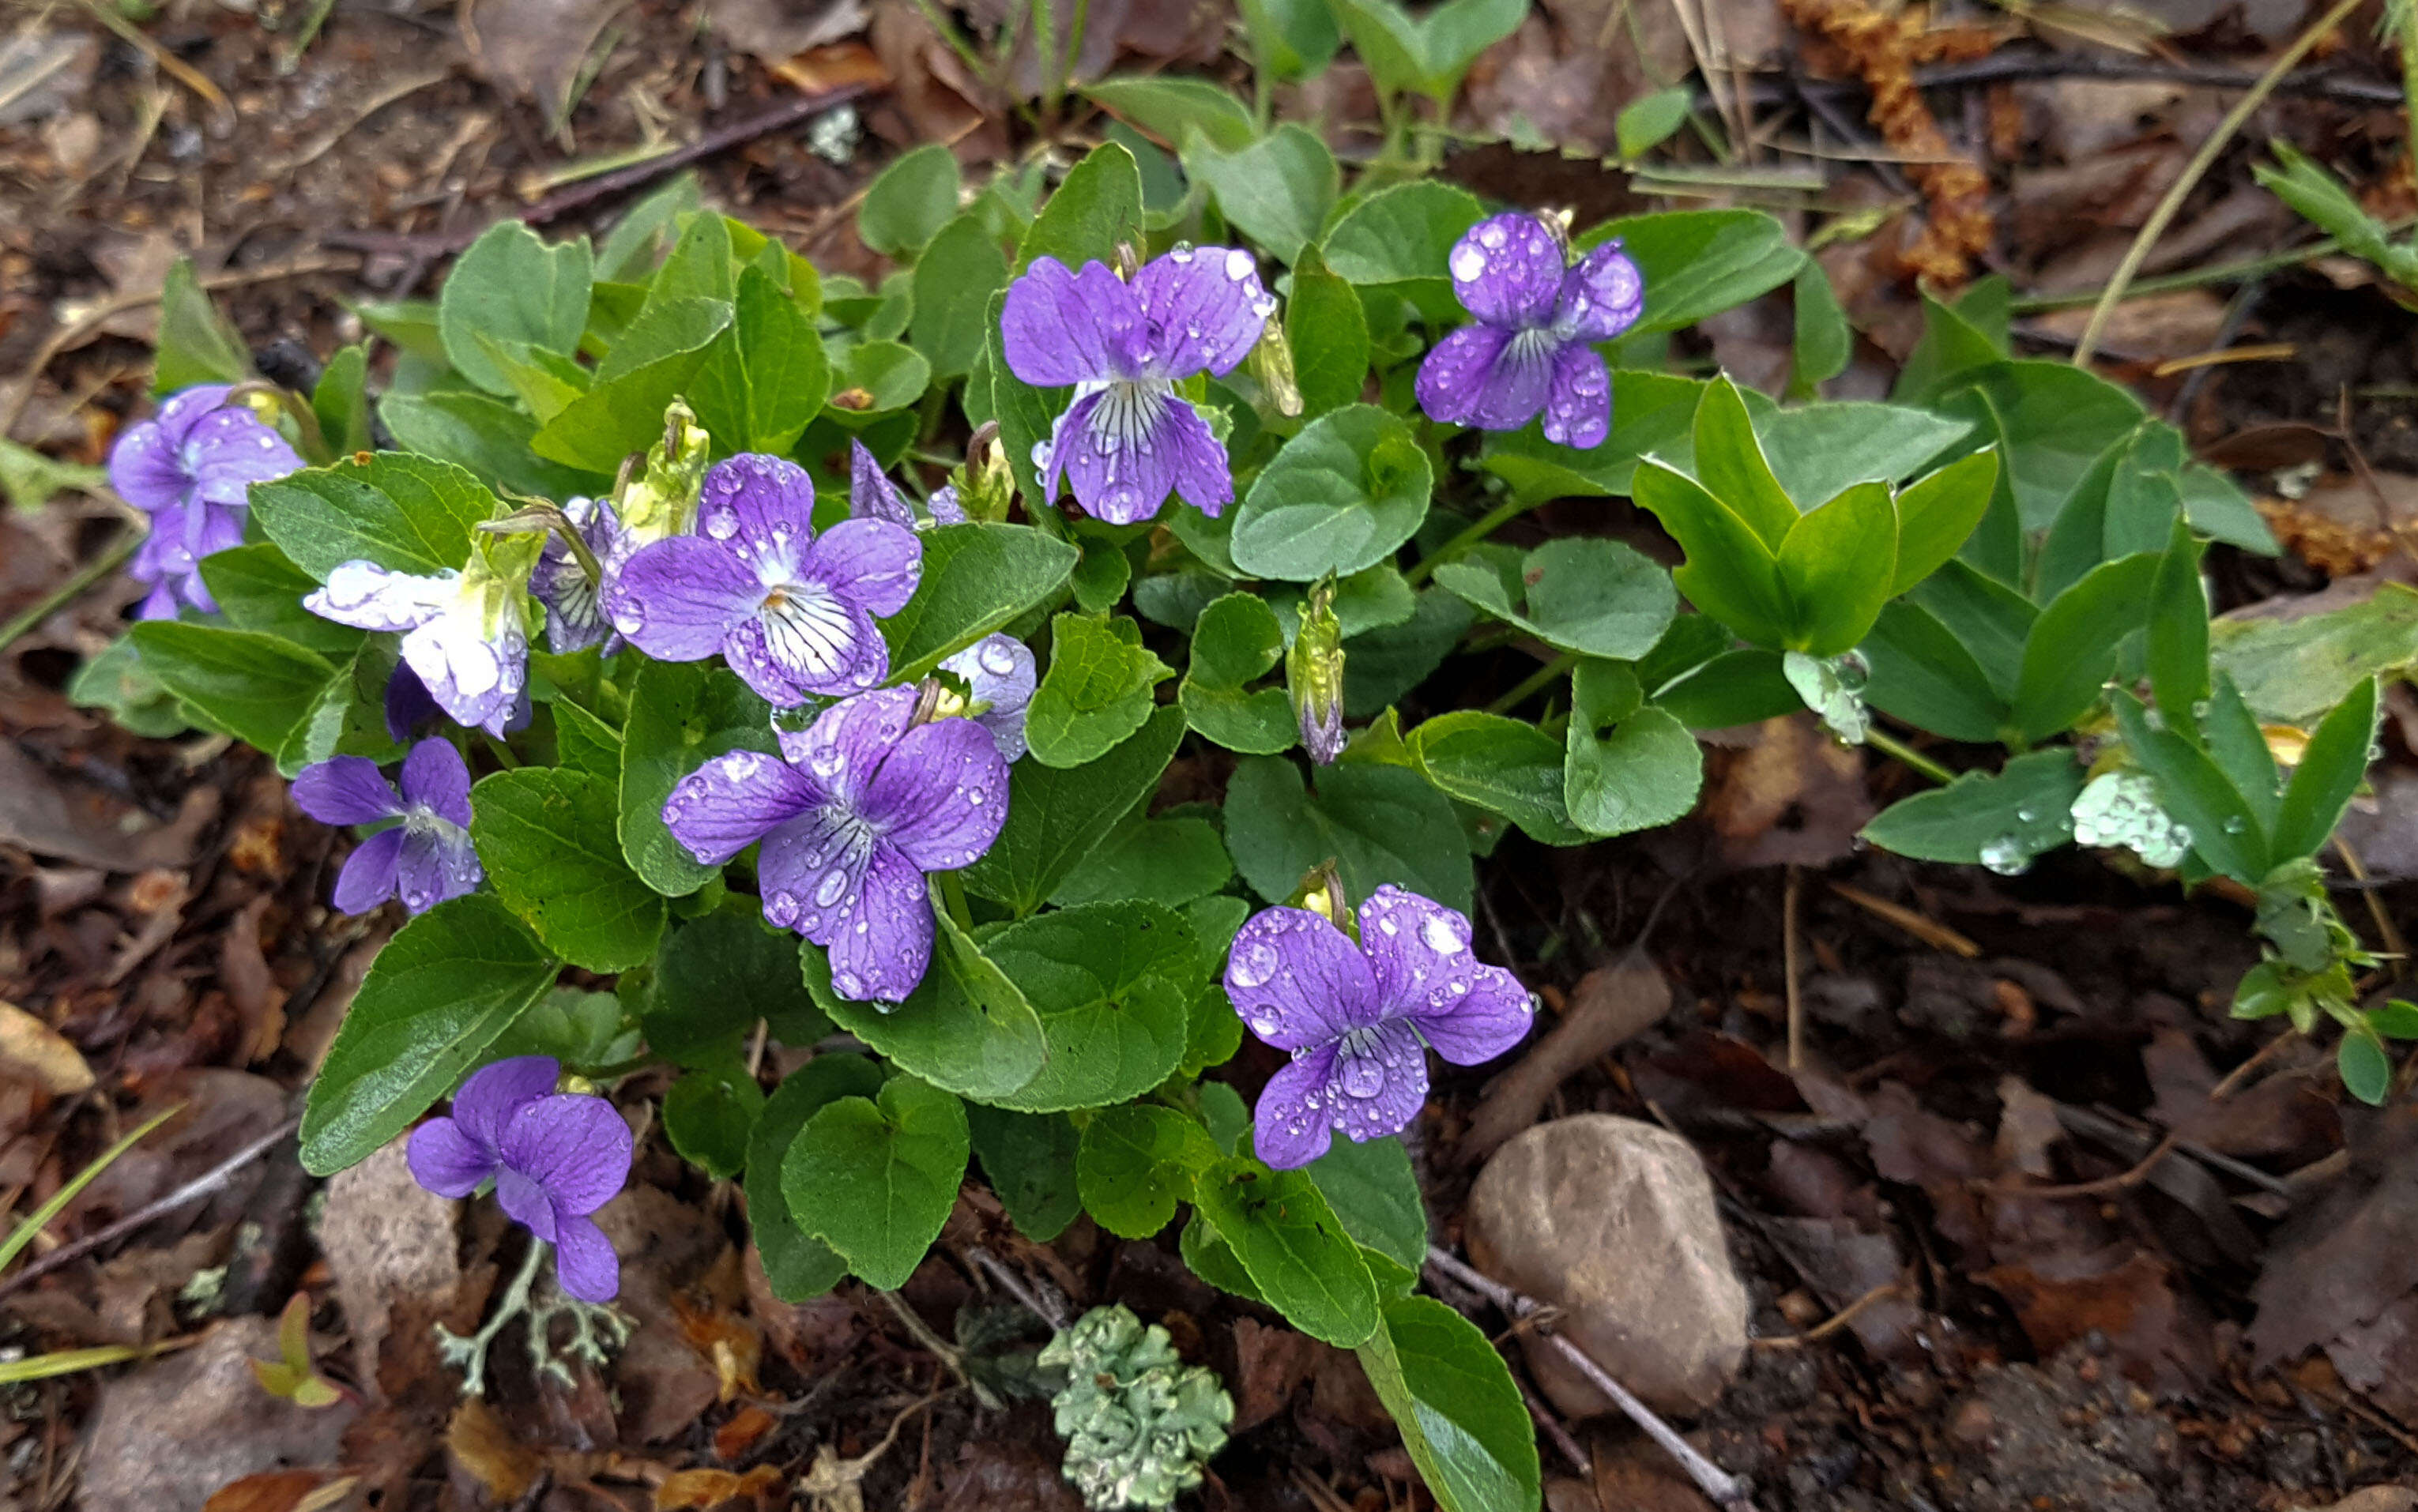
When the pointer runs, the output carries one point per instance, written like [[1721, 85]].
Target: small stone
[[1613, 1221]]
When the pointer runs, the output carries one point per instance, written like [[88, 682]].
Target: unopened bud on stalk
[[1314, 675]]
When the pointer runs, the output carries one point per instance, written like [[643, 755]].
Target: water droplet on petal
[[997, 658], [1239, 265], [1253, 965], [834, 883], [1361, 1076], [1493, 235], [1180, 252], [1468, 262], [722, 524], [1440, 936]]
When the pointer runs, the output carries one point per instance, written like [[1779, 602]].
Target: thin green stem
[[1890, 745], [1494, 520], [2194, 171], [73, 588], [953, 894], [502, 753], [1534, 683], [956, 39]]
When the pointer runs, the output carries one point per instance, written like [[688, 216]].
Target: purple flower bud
[[555, 1157], [853, 814], [427, 857], [190, 468], [1129, 439], [409, 704], [1314, 675], [1001, 676], [1355, 1017], [1537, 320], [871, 496], [791, 612]]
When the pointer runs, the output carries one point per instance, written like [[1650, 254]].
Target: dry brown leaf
[[26, 1040], [726, 1339], [482, 1444], [815, 69], [2131, 1302], [701, 1488], [1793, 795], [1884, 46], [744, 1431], [281, 1490], [1272, 1364]]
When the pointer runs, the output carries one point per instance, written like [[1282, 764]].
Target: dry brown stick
[[2104, 1184], [1921, 926], [200, 1187], [1835, 1321], [92, 320], [2234, 1078], [1792, 965], [604, 186], [1551, 1427], [1718, 1486]]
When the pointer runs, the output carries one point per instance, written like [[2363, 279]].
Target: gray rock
[[1612, 1222]]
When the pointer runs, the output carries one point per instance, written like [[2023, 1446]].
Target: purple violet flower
[[947, 509], [872, 495], [853, 814], [1000, 675], [555, 1157], [427, 857], [190, 468], [1129, 439], [792, 612], [465, 633], [409, 704], [1536, 318], [1355, 1016], [575, 618]]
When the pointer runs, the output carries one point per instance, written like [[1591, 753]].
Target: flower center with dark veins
[[1358, 1067], [1538, 343], [1126, 414], [806, 628]]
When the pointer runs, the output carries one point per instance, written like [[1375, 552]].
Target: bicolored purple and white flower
[[1000, 675], [464, 632], [425, 859], [1537, 316], [853, 814], [190, 468], [572, 586], [791, 611], [1356, 1016], [1129, 439], [555, 1157]]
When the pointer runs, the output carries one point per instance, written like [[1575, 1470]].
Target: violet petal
[[434, 775], [1058, 327], [574, 1145], [1601, 297], [447, 1161], [880, 936], [345, 789], [1297, 980], [1578, 400], [873, 563], [1206, 309], [941, 795], [487, 1101], [1294, 1123], [1507, 270], [369, 874], [678, 600], [730, 803], [584, 1264]]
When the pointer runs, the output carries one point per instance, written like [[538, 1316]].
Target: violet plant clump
[[753, 686]]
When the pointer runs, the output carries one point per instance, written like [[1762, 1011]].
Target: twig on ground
[[200, 1187], [1038, 1299], [2210, 149], [946, 1352], [1930, 931], [1719, 1484], [91, 321], [2009, 68], [74, 587], [2104, 1184], [1837, 1321], [402, 89], [1792, 965], [604, 186], [1551, 1427]]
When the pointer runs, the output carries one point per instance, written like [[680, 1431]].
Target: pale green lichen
[[2120, 809], [1139, 1422]]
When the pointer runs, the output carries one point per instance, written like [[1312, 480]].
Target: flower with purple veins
[[555, 1157], [791, 611], [1537, 318], [571, 586], [424, 860], [853, 814], [1356, 1015], [190, 468], [1000, 675], [464, 632], [1129, 439]]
